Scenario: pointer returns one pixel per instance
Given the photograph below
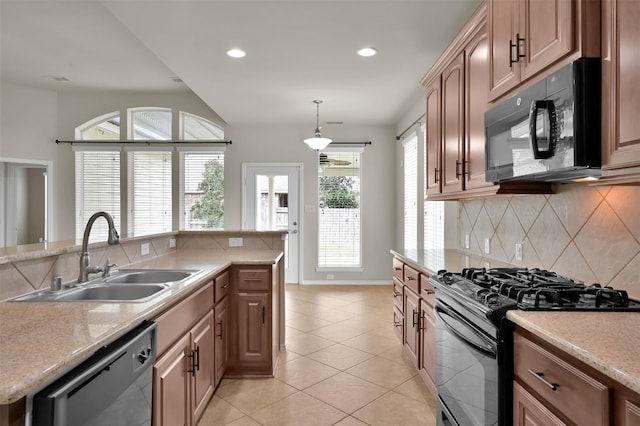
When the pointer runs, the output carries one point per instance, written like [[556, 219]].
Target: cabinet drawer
[[427, 292], [398, 323], [222, 286], [398, 297], [254, 279], [398, 269], [411, 279], [575, 394]]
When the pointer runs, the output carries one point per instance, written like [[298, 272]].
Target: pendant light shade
[[317, 142]]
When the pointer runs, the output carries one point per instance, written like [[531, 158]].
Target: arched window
[[150, 175]]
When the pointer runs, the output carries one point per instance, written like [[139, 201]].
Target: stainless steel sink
[[150, 276], [113, 293], [132, 285]]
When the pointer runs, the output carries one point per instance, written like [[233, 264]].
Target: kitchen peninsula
[[42, 340]]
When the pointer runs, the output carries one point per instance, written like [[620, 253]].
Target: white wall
[[28, 130]]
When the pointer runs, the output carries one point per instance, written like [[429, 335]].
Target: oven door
[[467, 374]]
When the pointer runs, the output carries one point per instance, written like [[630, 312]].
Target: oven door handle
[[485, 345]]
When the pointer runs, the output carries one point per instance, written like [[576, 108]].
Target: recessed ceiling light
[[236, 53], [367, 51]]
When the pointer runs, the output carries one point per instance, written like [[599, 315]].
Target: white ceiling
[[297, 51]]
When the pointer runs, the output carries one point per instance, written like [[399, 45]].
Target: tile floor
[[343, 366]]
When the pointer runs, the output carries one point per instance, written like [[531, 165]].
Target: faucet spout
[[113, 238]]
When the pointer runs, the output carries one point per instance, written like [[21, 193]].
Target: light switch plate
[[235, 242], [519, 252], [172, 242], [466, 241], [487, 245], [144, 249]]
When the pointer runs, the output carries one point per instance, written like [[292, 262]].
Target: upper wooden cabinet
[[620, 92], [529, 36], [457, 89]]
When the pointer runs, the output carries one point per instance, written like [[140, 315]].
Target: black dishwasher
[[112, 387]]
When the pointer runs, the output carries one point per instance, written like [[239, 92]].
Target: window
[[203, 193], [97, 175], [410, 148], [150, 173], [339, 209], [433, 225]]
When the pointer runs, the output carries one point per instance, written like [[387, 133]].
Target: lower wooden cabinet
[[428, 345], [253, 328], [411, 341], [183, 377], [529, 411]]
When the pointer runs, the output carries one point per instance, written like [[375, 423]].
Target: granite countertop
[[611, 347], [42, 340], [576, 333]]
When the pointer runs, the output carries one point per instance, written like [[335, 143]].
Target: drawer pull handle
[[397, 269], [226, 285], [396, 294], [539, 376], [252, 279], [397, 324], [410, 278]]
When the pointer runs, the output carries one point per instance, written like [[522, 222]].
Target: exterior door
[[271, 201]]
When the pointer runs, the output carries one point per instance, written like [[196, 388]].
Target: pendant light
[[317, 142]]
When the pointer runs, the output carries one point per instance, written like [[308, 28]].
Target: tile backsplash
[[587, 233]]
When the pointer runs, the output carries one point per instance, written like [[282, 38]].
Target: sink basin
[[113, 292], [146, 277], [131, 285]]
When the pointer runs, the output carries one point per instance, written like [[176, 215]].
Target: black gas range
[[474, 353]]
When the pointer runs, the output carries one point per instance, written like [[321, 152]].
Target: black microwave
[[550, 131]]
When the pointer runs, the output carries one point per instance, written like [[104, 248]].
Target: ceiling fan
[[325, 161]]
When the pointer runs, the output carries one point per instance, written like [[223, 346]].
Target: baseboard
[[346, 282]]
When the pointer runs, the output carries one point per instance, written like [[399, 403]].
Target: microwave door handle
[[550, 108]]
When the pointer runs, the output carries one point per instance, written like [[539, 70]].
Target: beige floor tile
[[306, 322], [287, 356], [397, 355], [219, 412], [332, 315], [346, 392], [306, 343], [382, 372], [337, 332], [244, 421], [290, 331], [386, 331], [340, 357], [251, 395], [396, 409], [304, 372], [350, 421], [372, 343], [297, 410], [416, 389]]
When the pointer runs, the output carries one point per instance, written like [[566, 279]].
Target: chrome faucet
[[114, 238]]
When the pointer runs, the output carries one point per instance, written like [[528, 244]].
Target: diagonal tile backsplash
[[588, 233]]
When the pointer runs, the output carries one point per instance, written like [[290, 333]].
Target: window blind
[[433, 225], [97, 176], [339, 209], [410, 148], [149, 178]]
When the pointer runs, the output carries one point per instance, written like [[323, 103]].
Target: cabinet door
[[476, 100], [221, 339], [202, 365], [621, 87], [631, 414], [253, 327], [411, 344], [432, 137], [453, 125], [428, 346], [546, 27], [528, 411], [503, 24], [171, 386]]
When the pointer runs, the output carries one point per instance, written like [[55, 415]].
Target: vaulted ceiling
[[297, 51]]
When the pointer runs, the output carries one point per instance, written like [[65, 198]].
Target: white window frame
[[328, 267], [410, 186]]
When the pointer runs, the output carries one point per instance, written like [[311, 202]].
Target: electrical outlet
[[487, 245], [466, 241], [235, 242], [330, 276], [487, 265], [519, 252], [172, 242], [144, 249], [466, 261]]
